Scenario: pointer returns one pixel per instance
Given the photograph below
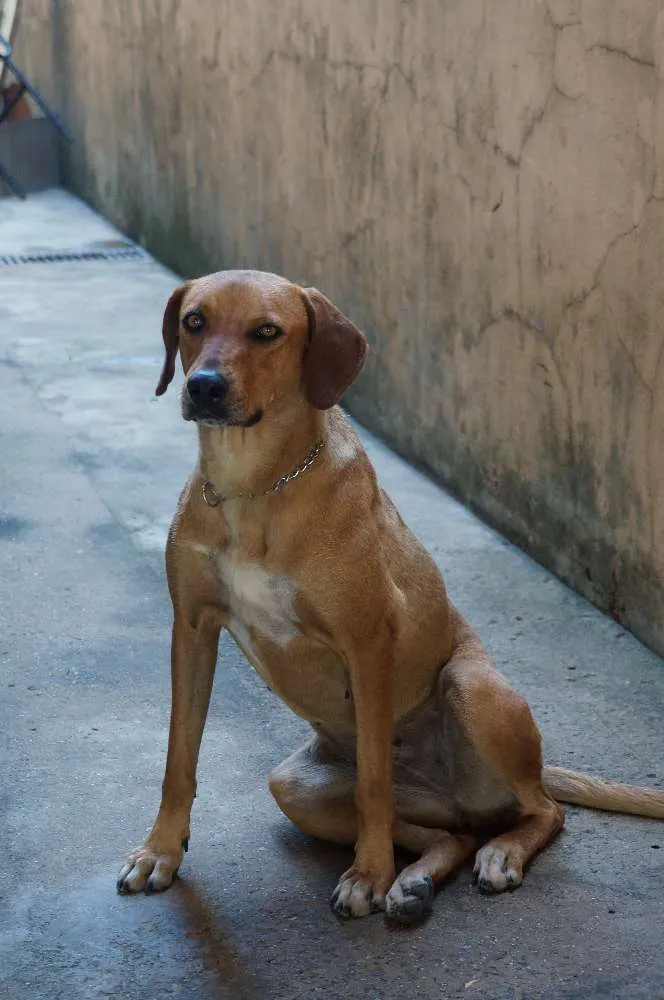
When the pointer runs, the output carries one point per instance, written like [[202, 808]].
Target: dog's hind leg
[[315, 788], [496, 751]]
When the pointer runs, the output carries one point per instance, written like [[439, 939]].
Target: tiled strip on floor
[[128, 252]]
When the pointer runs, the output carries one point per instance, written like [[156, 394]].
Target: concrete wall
[[481, 185]]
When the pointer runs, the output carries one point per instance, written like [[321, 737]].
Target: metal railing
[[23, 86]]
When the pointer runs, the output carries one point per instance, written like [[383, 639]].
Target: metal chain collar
[[213, 499]]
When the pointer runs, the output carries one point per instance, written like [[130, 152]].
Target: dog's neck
[[250, 459]]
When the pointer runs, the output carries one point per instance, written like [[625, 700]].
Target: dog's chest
[[262, 616], [260, 604]]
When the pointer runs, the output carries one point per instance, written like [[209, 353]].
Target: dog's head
[[250, 341]]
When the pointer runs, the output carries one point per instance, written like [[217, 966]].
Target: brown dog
[[284, 537]]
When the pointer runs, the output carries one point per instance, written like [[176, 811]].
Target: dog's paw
[[151, 868], [410, 899], [496, 870], [358, 894]]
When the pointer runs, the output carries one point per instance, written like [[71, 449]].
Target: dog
[[284, 537]]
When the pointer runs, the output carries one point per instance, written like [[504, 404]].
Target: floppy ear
[[169, 328], [335, 354]]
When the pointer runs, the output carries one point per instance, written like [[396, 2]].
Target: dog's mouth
[[221, 416], [209, 420]]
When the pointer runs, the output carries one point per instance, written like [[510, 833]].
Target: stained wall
[[480, 185]]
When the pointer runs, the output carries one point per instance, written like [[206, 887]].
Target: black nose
[[207, 387]]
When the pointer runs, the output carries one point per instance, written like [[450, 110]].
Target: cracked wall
[[480, 185]]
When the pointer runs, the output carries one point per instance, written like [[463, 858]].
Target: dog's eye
[[267, 332], [193, 322]]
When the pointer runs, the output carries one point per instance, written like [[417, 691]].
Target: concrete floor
[[91, 468]]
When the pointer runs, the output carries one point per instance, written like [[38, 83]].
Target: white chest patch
[[258, 601]]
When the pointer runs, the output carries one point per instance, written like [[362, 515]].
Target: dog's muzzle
[[207, 400]]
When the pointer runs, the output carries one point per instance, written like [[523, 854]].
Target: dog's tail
[[580, 790]]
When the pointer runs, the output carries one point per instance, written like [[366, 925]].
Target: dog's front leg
[[363, 887], [193, 659]]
